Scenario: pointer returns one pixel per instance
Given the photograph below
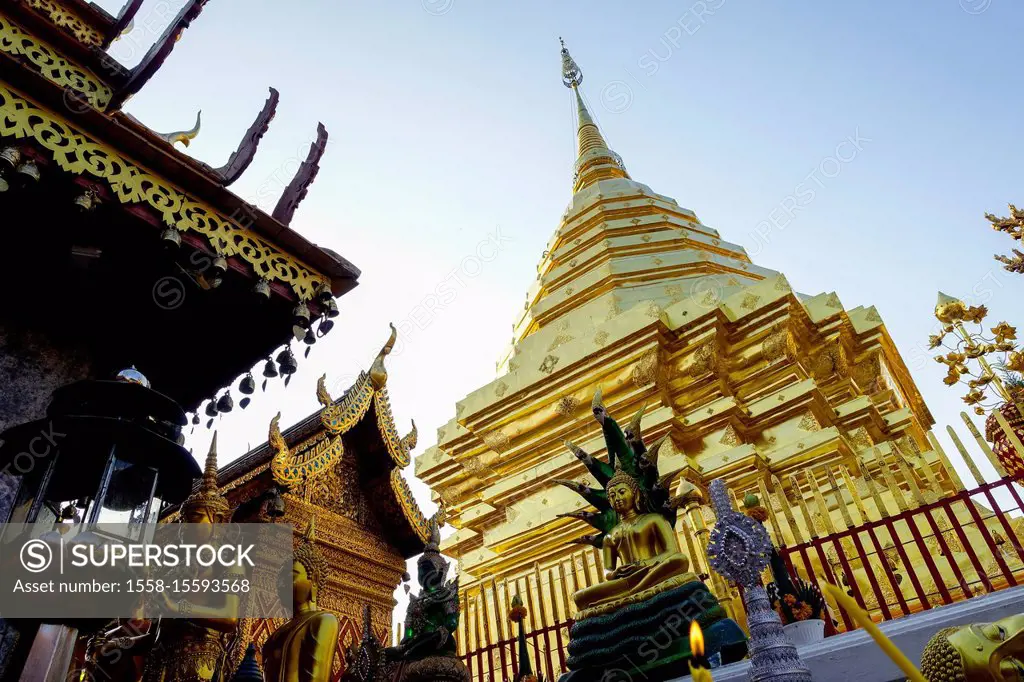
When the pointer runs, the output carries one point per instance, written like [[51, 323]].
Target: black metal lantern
[[112, 452]]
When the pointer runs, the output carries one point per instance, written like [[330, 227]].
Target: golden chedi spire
[[594, 161], [207, 503]]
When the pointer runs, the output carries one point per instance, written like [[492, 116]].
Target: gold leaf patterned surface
[[131, 184], [412, 511], [342, 415], [64, 18], [31, 51], [386, 426]]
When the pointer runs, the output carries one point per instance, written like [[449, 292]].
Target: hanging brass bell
[[324, 327], [300, 316], [276, 504], [219, 267], [87, 201], [331, 308], [10, 156], [211, 409], [170, 238], [247, 385], [29, 171], [226, 403], [262, 288], [269, 369], [287, 362]]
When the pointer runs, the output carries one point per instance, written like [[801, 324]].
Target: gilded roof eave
[[338, 417]]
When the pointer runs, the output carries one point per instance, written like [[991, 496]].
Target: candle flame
[[696, 639]]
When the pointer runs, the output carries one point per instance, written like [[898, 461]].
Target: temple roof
[[73, 160], [358, 424]]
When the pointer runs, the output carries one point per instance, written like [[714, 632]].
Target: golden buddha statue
[[302, 650], [193, 649], [982, 652], [645, 568], [641, 553]]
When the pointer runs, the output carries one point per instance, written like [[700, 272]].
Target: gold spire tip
[[572, 75], [210, 470]]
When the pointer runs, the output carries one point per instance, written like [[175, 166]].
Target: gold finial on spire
[[595, 160], [184, 136], [572, 75], [378, 372]]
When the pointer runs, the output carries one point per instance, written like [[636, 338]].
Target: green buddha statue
[[984, 652], [427, 652], [648, 588], [302, 650]]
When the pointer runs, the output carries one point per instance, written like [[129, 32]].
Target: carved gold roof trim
[[338, 417], [53, 66], [132, 184], [397, 446], [412, 511], [289, 472], [64, 18]]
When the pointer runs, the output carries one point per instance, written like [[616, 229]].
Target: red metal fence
[[499, 662], [938, 553]]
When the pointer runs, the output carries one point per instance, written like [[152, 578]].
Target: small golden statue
[[193, 649], [302, 650], [981, 652], [645, 569]]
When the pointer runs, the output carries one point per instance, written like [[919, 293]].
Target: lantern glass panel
[[127, 496]]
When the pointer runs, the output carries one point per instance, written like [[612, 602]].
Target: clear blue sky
[[448, 119]]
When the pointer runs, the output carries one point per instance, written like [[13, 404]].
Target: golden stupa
[[779, 393]]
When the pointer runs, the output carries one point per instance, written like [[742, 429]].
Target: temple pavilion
[[342, 465], [127, 251]]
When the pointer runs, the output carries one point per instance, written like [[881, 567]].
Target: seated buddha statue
[[984, 652], [641, 553], [302, 650], [643, 609]]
